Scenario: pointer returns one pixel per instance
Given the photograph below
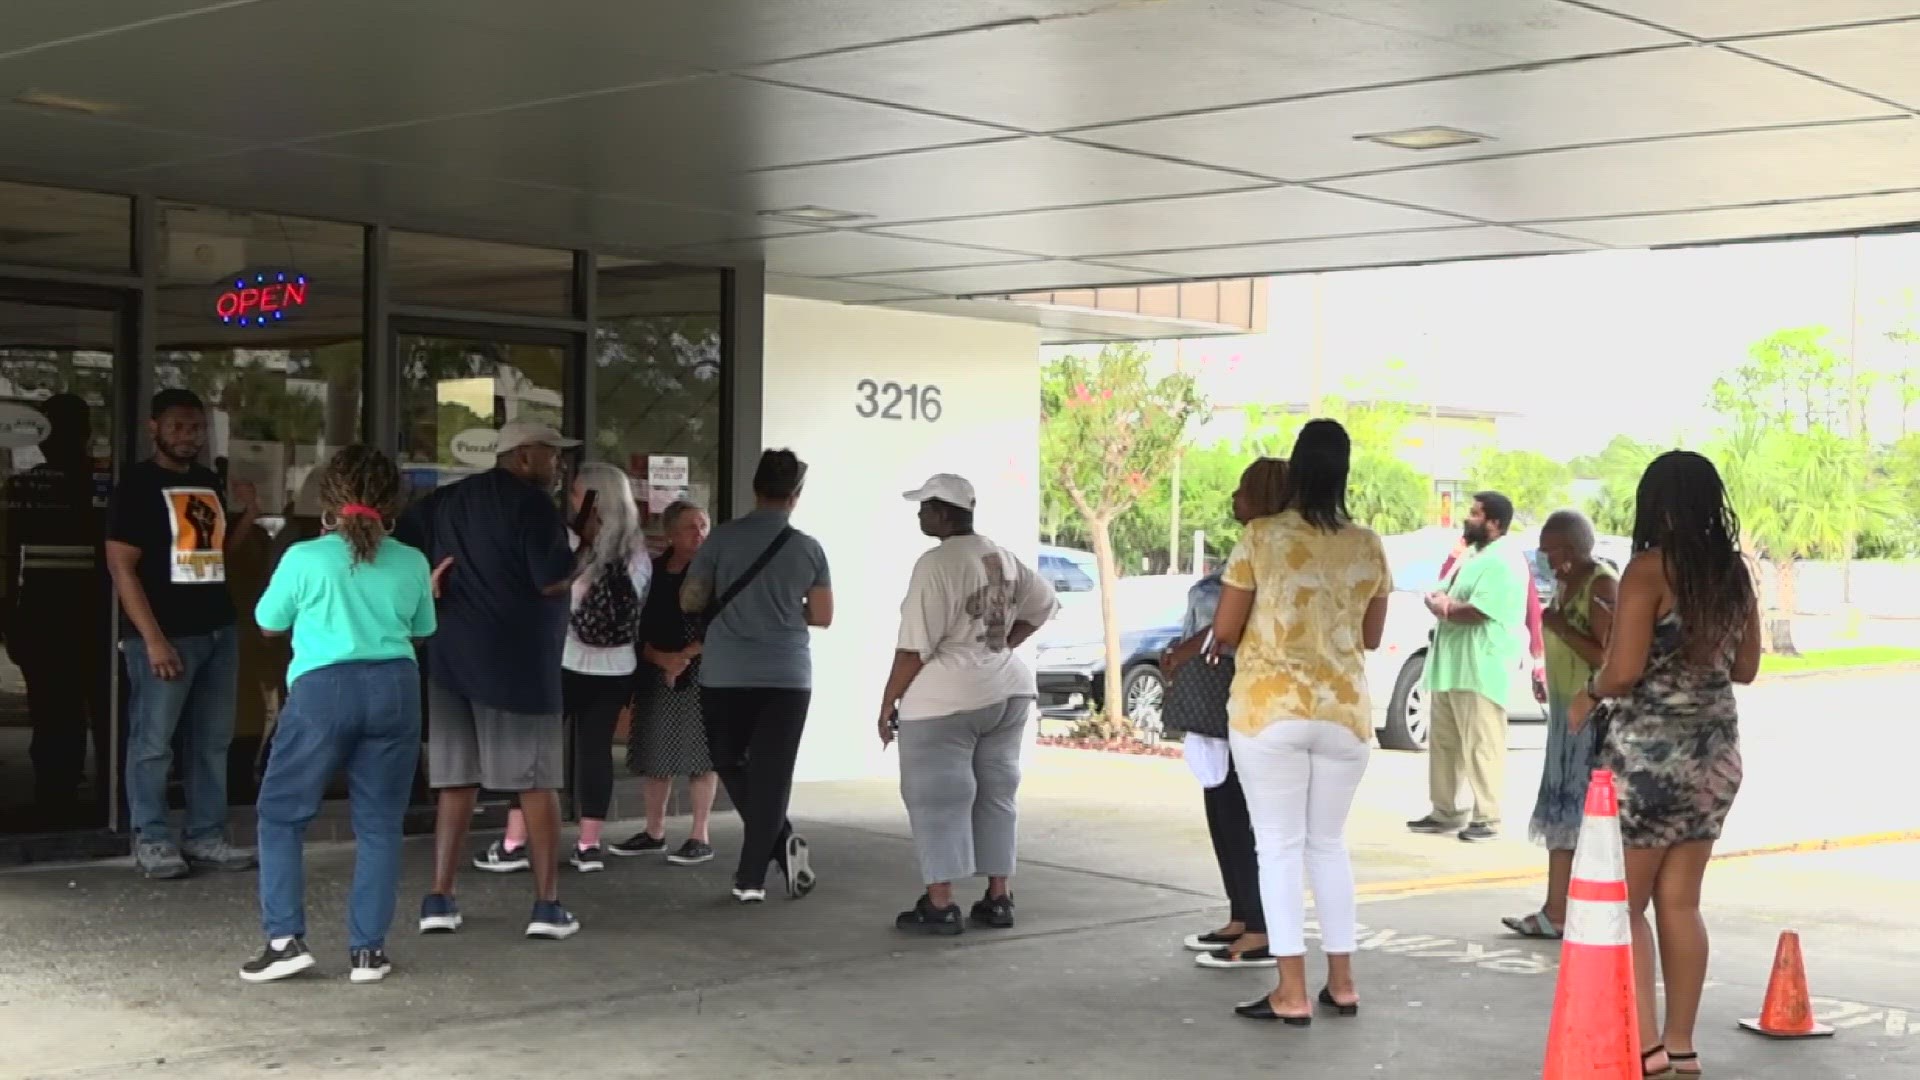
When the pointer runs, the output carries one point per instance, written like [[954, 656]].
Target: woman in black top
[[668, 736]]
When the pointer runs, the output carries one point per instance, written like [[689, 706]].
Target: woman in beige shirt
[[1305, 597]]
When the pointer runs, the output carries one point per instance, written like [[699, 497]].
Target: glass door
[[459, 384], [58, 405]]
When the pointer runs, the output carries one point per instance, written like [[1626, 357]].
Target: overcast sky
[[1580, 346]]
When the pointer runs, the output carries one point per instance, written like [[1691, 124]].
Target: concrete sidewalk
[[103, 975]]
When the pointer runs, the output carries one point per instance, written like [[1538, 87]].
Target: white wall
[[988, 375]]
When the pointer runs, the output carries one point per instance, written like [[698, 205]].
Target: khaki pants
[[1468, 742]]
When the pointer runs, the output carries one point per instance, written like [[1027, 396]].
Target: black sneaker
[[639, 844], [288, 960], [587, 859], [369, 965], [692, 853], [1429, 824], [924, 918], [1479, 833], [500, 859], [995, 912], [552, 921]]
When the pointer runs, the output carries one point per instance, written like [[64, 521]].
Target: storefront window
[[478, 275], [657, 360], [261, 316], [456, 391], [70, 230]]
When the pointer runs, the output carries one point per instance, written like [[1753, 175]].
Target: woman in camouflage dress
[[1687, 628]]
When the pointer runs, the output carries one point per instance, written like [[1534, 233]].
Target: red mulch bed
[[1133, 747]]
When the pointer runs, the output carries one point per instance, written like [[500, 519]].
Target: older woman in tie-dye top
[[1305, 597]]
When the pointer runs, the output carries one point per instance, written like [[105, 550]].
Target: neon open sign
[[261, 298]]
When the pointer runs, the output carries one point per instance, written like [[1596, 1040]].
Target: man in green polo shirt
[[1481, 611]]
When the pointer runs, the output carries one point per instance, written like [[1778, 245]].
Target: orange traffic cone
[[1786, 1013], [1595, 1034]]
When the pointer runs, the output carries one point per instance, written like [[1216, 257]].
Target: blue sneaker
[[439, 914], [550, 920]]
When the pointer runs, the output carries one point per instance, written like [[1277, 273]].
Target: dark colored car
[[1072, 661]]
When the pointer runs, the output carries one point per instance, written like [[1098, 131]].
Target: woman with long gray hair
[[669, 735], [598, 663]]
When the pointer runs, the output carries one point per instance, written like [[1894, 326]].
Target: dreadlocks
[[359, 491], [1681, 508]]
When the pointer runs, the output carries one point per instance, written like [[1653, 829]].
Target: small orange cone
[[1787, 1013], [1595, 1033]]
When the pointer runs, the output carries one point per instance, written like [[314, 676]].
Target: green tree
[[1537, 484], [1108, 424], [1794, 426], [1617, 469]]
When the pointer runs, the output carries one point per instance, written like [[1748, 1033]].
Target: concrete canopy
[[989, 146]]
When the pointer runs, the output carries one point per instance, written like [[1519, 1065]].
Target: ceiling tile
[[845, 292], [641, 140], [1678, 174], [1747, 222], [1012, 277], [984, 178], [322, 184], [273, 72], [724, 34], [1730, 18], [1883, 60], [1147, 59], [1668, 92], [1197, 221], [829, 254], [76, 145], [1382, 249], [40, 24]]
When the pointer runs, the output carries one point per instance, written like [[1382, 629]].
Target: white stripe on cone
[[1597, 922]]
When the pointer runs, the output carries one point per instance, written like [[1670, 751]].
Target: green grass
[[1832, 659]]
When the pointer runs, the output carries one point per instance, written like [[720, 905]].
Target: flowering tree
[[1109, 425]]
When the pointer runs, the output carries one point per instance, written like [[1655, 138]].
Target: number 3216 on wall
[[891, 401]]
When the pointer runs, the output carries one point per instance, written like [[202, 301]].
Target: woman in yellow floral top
[[1305, 597]]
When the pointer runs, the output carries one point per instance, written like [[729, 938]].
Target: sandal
[[1689, 1056], [1535, 925], [1646, 1071]]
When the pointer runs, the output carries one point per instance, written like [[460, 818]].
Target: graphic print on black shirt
[[178, 520]]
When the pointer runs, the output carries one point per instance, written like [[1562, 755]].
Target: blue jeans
[[200, 705], [363, 715]]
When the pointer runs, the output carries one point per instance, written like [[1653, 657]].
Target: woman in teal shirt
[[356, 601]]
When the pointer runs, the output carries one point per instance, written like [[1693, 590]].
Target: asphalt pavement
[[104, 975]]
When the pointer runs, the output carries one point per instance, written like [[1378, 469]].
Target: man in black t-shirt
[[167, 535], [500, 550]]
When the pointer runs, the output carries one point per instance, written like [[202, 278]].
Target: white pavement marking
[[1523, 960]]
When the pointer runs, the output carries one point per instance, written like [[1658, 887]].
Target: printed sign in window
[[199, 523]]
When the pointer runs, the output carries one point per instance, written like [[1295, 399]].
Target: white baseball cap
[[946, 487], [518, 433]]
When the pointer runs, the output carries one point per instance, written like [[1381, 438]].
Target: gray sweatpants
[[959, 775]]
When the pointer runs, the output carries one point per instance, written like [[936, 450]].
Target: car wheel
[[1142, 694], [1407, 716]]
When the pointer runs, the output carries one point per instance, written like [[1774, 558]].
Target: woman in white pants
[[1305, 595]]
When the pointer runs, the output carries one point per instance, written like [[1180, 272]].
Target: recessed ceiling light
[[1425, 138], [815, 215], [55, 101]]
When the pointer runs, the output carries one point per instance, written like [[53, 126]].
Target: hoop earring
[[329, 521]]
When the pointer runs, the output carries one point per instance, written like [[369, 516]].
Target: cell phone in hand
[[586, 512]]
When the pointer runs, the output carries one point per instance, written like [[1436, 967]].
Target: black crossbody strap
[[753, 571]]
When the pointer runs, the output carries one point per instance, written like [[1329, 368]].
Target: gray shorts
[[475, 745]]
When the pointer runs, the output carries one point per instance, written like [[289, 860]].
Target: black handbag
[[1196, 701]]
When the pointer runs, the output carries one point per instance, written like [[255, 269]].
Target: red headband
[[360, 510]]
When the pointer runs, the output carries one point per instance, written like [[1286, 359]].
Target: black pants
[[1232, 830], [592, 705], [753, 735]]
